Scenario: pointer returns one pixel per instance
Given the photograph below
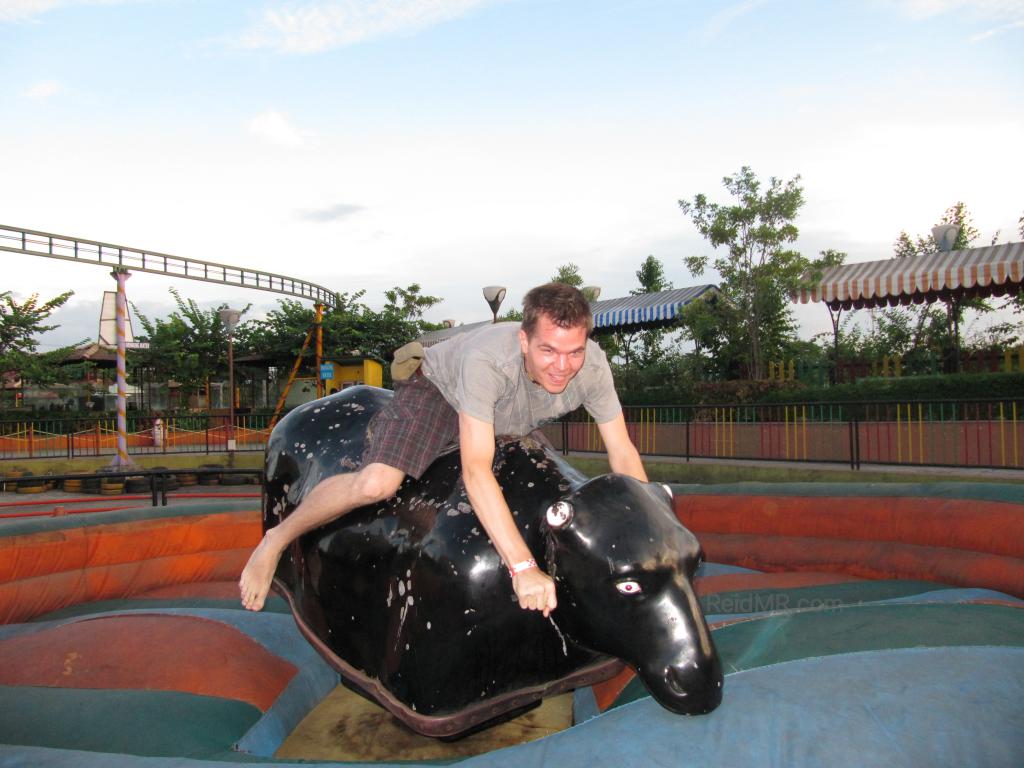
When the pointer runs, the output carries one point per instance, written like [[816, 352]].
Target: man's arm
[[533, 587], [622, 454]]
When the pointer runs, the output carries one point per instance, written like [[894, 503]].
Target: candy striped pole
[[121, 460]]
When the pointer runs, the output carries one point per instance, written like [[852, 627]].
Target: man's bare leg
[[328, 501]]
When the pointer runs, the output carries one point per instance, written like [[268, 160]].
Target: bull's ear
[[559, 515]]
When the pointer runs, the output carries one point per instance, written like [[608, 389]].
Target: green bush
[[963, 386]]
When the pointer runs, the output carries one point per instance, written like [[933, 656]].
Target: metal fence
[[70, 438], [961, 433]]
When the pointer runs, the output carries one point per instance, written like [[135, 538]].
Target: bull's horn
[[668, 489], [559, 515]]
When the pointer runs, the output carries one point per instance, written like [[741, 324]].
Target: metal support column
[[319, 348]]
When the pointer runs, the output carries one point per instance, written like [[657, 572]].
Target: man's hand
[[535, 590]]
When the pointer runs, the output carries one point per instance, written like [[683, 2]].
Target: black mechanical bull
[[410, 602]]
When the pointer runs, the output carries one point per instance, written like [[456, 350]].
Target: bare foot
[[258, 574]]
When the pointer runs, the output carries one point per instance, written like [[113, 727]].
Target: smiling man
[[499, 380]]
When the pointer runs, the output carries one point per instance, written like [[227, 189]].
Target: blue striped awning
[[646, 308]]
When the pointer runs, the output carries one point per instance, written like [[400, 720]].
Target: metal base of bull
[[471, 719]]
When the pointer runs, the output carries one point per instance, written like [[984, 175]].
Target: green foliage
[[20, 324], [962, 386], [759, 272], [568, 274], [666, 381], [408, 303], [278, 337]]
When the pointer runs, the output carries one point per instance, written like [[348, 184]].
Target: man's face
[[553, 354]]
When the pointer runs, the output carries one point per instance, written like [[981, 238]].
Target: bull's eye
[[559, 515], [629, 588]]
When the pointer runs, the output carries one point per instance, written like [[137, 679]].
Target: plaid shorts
[[416, 427]]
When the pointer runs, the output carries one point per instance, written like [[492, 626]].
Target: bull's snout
[[690, 688]]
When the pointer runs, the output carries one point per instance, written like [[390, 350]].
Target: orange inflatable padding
[[147, 652], [27, 598], [867, 559], [608, 691], [964, 524], [93, 546]]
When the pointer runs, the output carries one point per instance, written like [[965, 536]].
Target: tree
[[20, 324], [933, 328], [716, 329], [190, 346], [568, 274], [351, 328], [758, 271]]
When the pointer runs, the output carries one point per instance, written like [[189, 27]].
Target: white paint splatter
[[565, 650]]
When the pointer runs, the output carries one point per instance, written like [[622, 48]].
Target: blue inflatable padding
[[891, 709], [719, 569]]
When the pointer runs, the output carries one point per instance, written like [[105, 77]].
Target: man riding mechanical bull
[[499, 380]]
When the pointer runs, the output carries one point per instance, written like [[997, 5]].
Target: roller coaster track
[[33, 243]]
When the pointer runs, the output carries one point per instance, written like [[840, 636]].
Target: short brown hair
[[562, 304]]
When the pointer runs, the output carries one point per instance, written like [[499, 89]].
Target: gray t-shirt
[[482, 373]]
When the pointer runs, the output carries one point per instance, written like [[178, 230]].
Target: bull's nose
[[695, 689]]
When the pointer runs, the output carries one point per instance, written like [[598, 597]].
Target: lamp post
[[494, 295], [230, 319]]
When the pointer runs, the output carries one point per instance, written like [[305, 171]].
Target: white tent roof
[[990, 271]]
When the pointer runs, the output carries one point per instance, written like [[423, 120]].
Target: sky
[[363, 144]]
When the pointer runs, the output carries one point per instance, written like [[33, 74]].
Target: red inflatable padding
[[147, 652], [963, 524], [867, 559], [728, 582]]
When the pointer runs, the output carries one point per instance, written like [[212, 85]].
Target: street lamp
[[230, 319], [494, 295]]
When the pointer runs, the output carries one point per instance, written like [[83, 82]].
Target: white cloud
[[277, 129], [320, 25], [23, 10], [43, 90], [727, 16], [331, 213]]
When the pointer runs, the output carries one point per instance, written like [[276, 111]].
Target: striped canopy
[[646, 309], [994, 270]]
